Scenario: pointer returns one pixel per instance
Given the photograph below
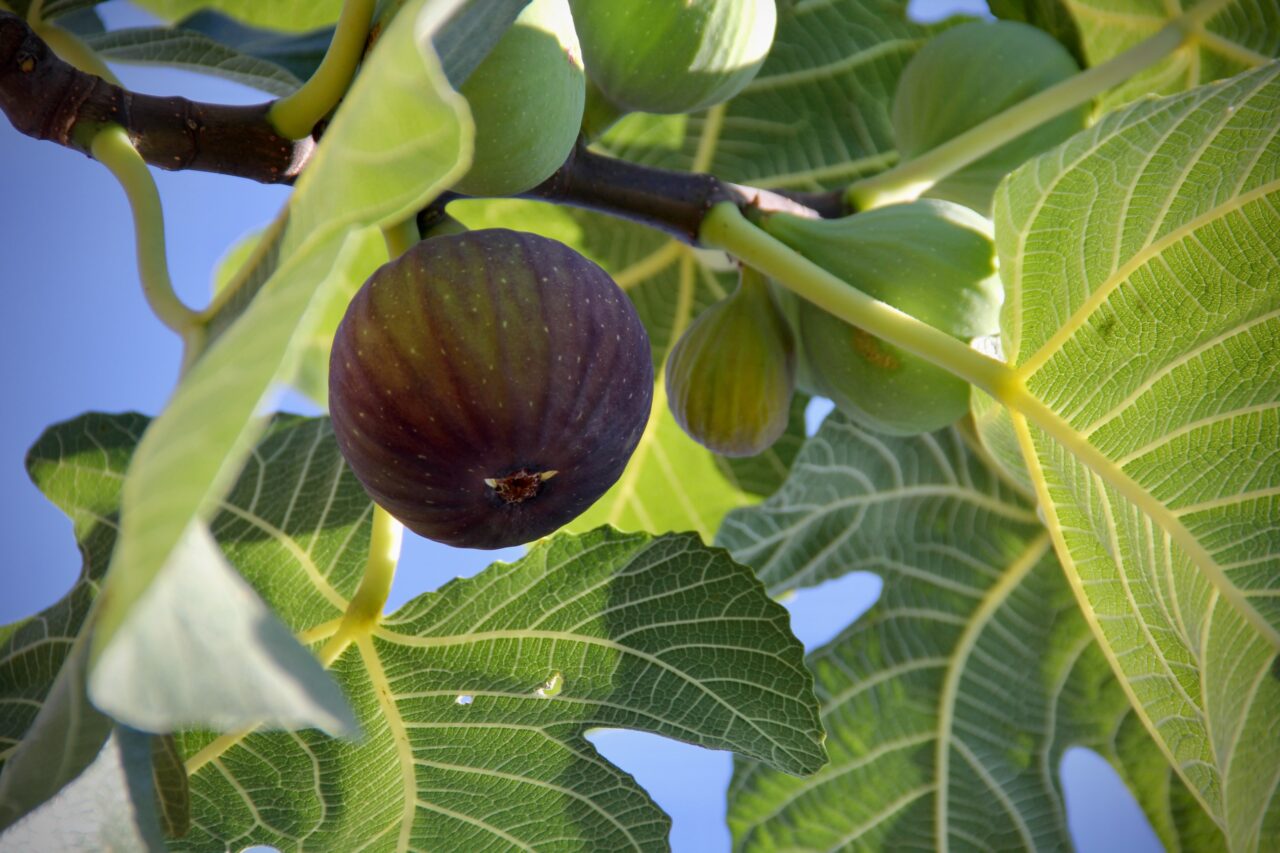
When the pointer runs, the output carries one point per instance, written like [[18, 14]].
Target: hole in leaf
[[928, 11], [820, 613], [465, 699], [687, 782], [1101, 812]]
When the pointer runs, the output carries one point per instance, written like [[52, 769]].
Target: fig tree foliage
[[1035, 264]]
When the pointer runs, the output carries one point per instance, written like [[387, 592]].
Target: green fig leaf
[[1142, 321], [286, 15], [192, 51], [1238, 35], [190, 454], [578, 634], [949, 704]]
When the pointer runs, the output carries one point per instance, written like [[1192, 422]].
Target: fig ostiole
[[968, 74], [731, 375], [932, 259], [526, 100], [487, 387], [673, 56]]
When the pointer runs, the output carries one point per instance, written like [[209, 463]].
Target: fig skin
[[486, 388], [968, 74], [731, 375], [931, 259], [673, 56], [526, 100]]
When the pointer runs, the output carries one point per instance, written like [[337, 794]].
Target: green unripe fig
[[673, 56], [968, 74], [486, 388], [526, 99], [931, 259], [731, 375]]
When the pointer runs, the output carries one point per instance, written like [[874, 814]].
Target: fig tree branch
[[47, 98], [670, 201]]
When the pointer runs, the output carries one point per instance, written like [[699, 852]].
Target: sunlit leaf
[[1142, 267], [606, 629], [1239, 35], [400, 137], [950, 703]]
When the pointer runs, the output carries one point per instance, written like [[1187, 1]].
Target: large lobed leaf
[[399, 138], [949, 704], [1142, 266], [604, 629]]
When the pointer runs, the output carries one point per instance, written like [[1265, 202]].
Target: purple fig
[[486, 388]]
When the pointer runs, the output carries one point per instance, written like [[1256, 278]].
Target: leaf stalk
[[910, 179], [294, 116], [112, 147]]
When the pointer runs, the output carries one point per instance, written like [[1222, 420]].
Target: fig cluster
[[488, 387]]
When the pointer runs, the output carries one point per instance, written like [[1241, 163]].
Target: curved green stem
[[366, 605], [294, 116], [726, 228], [71, 49], [111, 147], [910, 179]]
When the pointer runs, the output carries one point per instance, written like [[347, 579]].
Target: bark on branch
[[46, 98]]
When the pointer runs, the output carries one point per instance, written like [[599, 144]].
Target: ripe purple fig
[[486, 388]]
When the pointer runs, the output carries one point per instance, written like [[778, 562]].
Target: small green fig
[[526, 99], [931, 259], [968, 74], [731, 375], [488, 387], [673, 56]]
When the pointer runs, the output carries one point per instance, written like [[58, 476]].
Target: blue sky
[[79, 337]]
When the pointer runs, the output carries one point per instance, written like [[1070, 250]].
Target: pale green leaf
[[950, 703], [203, 649], [400, 137], [1239, 35], [192, 51], [111, 806], [287, 15], [1142, 267]]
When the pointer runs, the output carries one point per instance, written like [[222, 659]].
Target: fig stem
[[726, 228], [365, 608], [294, 116], [111, 147], [910, 179], [401, 236]]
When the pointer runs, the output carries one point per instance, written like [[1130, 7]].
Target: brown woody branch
[[674, 202], [46, 98]]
